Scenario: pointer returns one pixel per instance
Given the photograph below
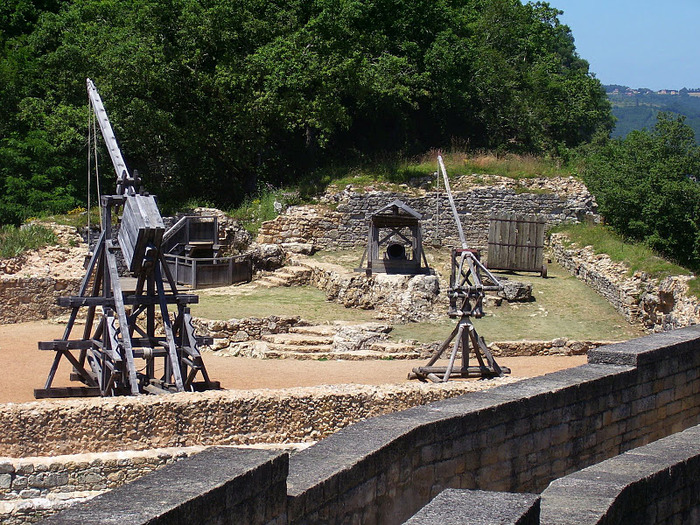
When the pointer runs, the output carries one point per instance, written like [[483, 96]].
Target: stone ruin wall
[[341, 220], [33, 298], [31, 283], [658, 305], [34, 487]]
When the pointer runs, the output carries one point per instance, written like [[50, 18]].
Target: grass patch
[[516, 166], [76, 218], [14, 241], [563, 307], [306, 301], [637, 256], [263, 206], [390, 172]]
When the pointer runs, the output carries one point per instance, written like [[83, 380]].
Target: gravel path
[[24, 367]]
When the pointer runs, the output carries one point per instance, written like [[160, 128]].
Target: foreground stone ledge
[[219, 485], [478, 507], [657, 483]]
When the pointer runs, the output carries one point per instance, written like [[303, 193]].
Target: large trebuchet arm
[[110, 140]]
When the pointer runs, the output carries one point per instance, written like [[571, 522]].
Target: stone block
[[475, 507], [5, 482]]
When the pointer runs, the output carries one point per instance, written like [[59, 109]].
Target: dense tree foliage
[[210, 97], [647, 188]]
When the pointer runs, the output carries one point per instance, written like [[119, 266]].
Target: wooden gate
[[516, 243]]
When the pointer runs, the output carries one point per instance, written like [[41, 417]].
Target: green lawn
[[563, 307]]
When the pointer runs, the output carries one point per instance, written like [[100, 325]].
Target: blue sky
[[640, 43]]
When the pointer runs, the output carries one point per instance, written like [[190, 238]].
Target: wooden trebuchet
[[130, 343], [466, 294]]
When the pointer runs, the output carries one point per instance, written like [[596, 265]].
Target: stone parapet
[[514, 438], [656, 484]]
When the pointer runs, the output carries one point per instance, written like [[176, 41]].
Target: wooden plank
[[131, 378], [174, 361], [59, 344], [67, 391], [130, 300]]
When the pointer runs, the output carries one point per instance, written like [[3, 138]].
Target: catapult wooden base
[[465, 338]]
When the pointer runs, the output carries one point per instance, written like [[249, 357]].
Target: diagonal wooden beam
[[131, 378]]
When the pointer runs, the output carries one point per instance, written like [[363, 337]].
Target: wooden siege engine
[[469, 280], [130, 343]]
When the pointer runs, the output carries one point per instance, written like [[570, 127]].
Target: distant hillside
[[637, 108]]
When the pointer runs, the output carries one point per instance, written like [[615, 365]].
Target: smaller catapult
[[466, 294], [105, 358]]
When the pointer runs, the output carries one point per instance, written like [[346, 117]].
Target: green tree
[[646, 186], [210, 98]]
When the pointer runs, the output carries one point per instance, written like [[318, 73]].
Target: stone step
[[325, 330], [393, 347], [361, 355], [270, 281], [298, 339], [304, 349], [294, 270]]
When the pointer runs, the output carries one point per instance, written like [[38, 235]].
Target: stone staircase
[[347, 341], [285, 276]]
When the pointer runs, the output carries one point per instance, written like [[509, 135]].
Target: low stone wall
[[33, 298], [233, 417], [515, 438], [246, 329], [34, 477], [34, 488], [656, 484], [342, 222], [659, 305], [559, 346]]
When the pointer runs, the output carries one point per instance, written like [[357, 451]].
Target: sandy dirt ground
[[23, 367]]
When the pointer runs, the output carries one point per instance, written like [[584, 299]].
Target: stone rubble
[[658, 305], [31, 283]]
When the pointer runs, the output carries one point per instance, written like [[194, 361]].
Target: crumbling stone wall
[[659, 305], [31, 283], [246, 329], [342, 223], [33, 298], [33, 488], [399, 298]]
